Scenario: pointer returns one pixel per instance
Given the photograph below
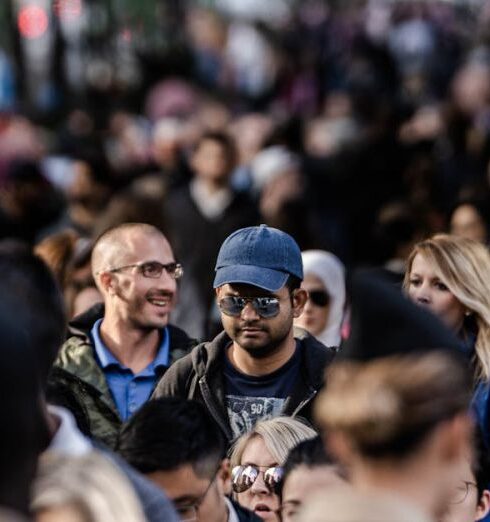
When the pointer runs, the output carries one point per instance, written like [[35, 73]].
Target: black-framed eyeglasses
[[461, 492], [154, 269], [243, 477], [233, 306], [319, 297], [189, 512]]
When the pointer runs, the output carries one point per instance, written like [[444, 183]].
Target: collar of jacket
[[80, 326], [316, 356]]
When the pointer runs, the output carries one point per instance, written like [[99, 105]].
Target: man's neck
[[134, 348], [212, 186], [243, 361], [402, 483]]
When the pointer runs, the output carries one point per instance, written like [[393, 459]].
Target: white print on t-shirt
[[244, 412]]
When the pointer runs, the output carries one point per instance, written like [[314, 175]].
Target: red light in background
[[127, 35], [32, 21], [68, 9]]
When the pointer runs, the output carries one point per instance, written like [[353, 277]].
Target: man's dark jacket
[[200, 376], [78, 383]]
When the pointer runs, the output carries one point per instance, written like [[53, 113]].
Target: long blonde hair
[[463, 265]]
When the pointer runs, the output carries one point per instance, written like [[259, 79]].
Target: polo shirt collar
[[106, 358]]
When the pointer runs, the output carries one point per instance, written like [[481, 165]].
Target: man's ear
[[339, 446], [483, 507], [455, 437], [107, 283], [224, 476], [299, 298]]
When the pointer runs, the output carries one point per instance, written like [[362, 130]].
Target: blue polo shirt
[[130, 391]]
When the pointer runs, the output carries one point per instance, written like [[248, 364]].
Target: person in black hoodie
[[260, 366]]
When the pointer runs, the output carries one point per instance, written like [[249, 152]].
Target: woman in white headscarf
[[324, 279]]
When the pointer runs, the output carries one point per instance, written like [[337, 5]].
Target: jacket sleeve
[[176, 380]]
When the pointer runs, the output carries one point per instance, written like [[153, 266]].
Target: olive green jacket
[[78, 383]]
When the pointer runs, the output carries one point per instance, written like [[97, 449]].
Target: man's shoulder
[[76, 352], [315, 356], [205, 357], [156, 505], [315, 348], [76, 365], [180, 343]]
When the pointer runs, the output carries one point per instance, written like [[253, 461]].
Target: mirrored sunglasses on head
[[233, 306], [243, 477]]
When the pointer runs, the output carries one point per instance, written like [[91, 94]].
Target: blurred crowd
[[194, 216], [357, 128]]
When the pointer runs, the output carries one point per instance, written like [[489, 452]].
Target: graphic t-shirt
[[249, 398]]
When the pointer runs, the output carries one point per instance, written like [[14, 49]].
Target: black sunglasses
[[242, 477], [233, 306], [319, 297]]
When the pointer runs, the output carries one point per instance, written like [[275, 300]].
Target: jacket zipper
[[206, 394], [304, 402]]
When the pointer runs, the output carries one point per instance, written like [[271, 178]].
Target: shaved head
[[115, 245]]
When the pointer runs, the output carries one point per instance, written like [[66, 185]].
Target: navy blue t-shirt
[[249, 398]]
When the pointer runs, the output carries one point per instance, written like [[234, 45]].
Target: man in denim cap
[[259, 367]]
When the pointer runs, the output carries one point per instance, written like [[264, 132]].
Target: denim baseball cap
[[260, 256]]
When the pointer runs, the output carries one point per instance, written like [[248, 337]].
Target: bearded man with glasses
[[260, 366], [118, 351]]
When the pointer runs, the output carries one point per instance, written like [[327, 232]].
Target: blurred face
[[85, 299], [250, 331], [194, 497], [142, 302], [315, 313], [64, 513], [258, 498], [467, 222], [211, 162], [427, 290], [304, 481], [465, 506]]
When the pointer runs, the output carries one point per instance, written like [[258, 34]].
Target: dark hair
[[31, 322], [292, 283], [169, 432], [222, 139], [28, 286], [480, 463], [309, 453]]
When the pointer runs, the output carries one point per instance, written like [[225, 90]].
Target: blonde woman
[[257, 458], [83, 489], [450, 276]]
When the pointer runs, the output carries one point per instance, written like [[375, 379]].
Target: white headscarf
[[330, 270]]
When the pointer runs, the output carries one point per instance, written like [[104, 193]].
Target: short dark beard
[[262, 352]]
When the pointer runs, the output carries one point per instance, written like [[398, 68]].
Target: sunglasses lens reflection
[[243, 477]]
